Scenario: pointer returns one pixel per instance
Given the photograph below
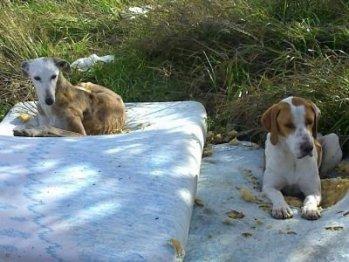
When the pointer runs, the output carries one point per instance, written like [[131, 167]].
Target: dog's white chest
[[285, 167], [49, 118]]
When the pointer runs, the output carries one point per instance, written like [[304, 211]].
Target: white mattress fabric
[[102, 198]]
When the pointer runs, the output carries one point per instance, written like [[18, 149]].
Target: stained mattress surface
[[102, 198]]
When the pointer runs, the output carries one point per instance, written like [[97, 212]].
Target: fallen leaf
[[198, 202], [246, 234], [248, 196], [24, 117], [251, 178], [265, 207], [233, 214], [334, 228], [177, 246], [288, 232]]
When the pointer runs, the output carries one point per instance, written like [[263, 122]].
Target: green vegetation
[[236, 57]]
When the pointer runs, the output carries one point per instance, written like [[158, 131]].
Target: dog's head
[[44, 73], [294, 120]]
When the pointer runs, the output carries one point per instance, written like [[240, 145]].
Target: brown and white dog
[[293, 155], [68, 110]]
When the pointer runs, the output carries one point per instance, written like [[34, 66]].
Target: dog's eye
[[53, 77], [290, 125], [37, 78]]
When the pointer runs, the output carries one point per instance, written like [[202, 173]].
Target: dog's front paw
[[282, 212], [19, 132], [24, 132], [311, 213]]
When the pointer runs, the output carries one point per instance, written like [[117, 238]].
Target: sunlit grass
[[236, 57]]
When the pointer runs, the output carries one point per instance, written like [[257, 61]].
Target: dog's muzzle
[[49, 101], [306, 149]]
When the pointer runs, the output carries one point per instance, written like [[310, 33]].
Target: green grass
[[134, 79], [236, 57]]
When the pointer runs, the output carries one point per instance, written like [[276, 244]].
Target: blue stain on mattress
[[11, 232]]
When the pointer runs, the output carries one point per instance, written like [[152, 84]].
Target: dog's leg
[[280, 209], [310, 208], [46, 131], [312, 192], [272, 184], [53, 131], [29, 132], [75, 124]]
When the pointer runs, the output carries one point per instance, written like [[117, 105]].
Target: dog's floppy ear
[[25, 68], [62, 65], [317, 112], [269, 121]]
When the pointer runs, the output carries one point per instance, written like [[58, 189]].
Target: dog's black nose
[[49, 101], [307, 148]]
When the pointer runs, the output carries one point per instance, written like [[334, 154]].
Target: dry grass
[[237, 57]]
